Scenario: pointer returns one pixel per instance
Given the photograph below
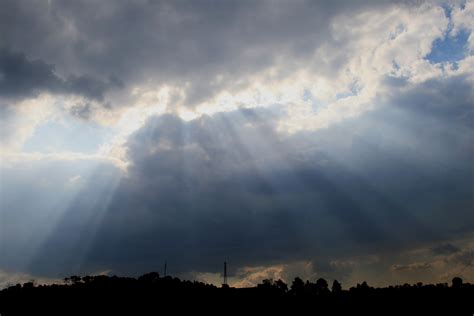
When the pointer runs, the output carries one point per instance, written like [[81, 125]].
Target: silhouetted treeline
[[151, 294]]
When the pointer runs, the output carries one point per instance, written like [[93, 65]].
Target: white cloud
[[463, 18], [376, 44]]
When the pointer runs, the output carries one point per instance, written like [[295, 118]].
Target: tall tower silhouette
[[225, 273]]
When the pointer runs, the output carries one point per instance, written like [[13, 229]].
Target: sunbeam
[[77, 224]]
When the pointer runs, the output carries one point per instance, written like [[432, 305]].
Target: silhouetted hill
[[151, 294]]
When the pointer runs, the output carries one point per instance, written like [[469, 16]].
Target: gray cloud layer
[[21, 78]]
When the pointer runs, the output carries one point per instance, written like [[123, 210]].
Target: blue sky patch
[[449, 48]]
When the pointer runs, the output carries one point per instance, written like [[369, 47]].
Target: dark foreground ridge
[[151, 294]]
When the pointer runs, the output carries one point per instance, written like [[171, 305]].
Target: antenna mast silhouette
[[225, 273], [165, 268]]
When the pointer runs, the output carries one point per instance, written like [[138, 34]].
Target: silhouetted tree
[[266, 284], [297, 287], [457, 282], [151, 277], [363, 286], [73, 279], [270, 285], [282, 287], [322, 286], [336, 287]]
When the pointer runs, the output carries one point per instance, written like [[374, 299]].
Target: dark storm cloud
[[21, 77], [91, 87], [174, 42], [230, 187], [455, 99]]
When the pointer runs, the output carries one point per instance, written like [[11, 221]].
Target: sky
[[328, 139]]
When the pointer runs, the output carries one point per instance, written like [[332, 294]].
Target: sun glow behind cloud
[[347, 92]]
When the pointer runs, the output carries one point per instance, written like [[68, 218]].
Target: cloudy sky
[[326, 139]]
